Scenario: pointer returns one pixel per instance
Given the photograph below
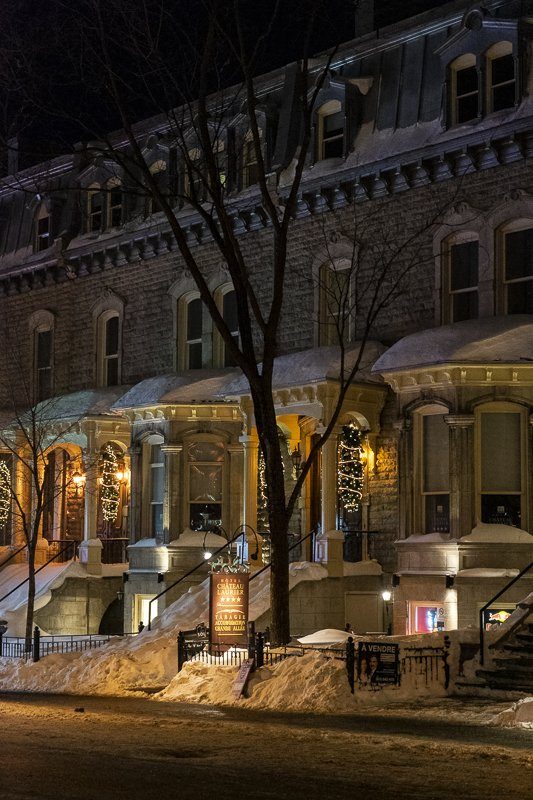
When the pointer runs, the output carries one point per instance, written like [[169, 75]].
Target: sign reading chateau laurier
[[228, 608]]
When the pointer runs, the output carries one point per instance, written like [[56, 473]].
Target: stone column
[[171, 497], [135, 453], [461, 473], [23, 492], [250, 445], [329, 485], [91, 546]]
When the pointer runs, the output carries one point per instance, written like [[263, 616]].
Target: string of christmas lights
[[350, 468], [110, 491], [5, 493]]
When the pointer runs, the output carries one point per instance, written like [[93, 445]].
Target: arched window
[[43, 235], [226, 301], [433, 469], [464, 86], [95, 208], [41, 328], [109, 356], [516, 252], [335, 313], [460, 261], [330, 131], [194, 333], [205, 479], [501, 77]]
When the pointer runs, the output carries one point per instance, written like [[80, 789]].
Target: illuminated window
[[501, 77], [464, 77]]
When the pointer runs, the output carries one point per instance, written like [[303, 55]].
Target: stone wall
[[77, 607]]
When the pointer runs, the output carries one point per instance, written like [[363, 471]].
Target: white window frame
[[498, 50], [463, 62], [113, 183], [92, 190], [419, 516], [513, 226], [42, 241], [464, 237], [328, 110], [187, 502], [102, 357]]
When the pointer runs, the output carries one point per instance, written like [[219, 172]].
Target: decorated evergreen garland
[[349, 468], [5, 493], [110, 492]]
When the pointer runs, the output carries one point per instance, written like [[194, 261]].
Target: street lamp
[[296, 458], [78, 479], [386, 596]]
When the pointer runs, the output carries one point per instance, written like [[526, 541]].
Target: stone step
[[517, 648], [509, 664], [502, 681]]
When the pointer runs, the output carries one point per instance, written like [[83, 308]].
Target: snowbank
[[371, 567], [488, 533], [520, 715]]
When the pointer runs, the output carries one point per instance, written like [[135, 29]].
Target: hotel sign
[[228, 608]]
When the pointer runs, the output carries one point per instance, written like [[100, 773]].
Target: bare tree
[[121, 58]]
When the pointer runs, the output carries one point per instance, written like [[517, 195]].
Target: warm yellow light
[[78, 479], [120, 475]]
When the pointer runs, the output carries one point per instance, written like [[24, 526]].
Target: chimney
[[364, 17]]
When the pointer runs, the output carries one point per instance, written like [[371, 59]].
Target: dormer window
[[158, 171], [95, 208], [42, 230], [250, 167], [465, 89], [501, 77], [331, 131], [114, 203]]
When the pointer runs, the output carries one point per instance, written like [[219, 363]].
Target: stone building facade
[[423, 144]]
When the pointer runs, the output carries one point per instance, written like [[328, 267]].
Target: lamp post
[[386, 596]]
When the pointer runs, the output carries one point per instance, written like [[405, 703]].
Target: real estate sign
[[377, 664], [228, 608]]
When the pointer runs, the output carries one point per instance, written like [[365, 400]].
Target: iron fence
[[427, 663], [41, 646]]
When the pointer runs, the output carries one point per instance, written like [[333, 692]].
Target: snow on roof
[[87, 403], [478, 341], [193, 386], [316, 365], [488, 532]]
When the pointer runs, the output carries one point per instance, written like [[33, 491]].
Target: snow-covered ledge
[[428, 553], [496, 546]]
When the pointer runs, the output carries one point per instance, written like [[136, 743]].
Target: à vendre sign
[[228, 608]]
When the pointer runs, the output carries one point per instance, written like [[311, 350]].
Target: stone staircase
[[511, 667]]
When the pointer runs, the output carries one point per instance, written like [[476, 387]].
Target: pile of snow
[[520, 715], [328, 636], [131, 664], [371, 567], [488, 533], [427, 537]]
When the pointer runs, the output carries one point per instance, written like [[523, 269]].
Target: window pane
[[502, 69], [111, 336], [44, 383], [229, 311], [158, 483], [519, 254], [112, 371], [464, 265], [467, 108], [205, 516], [465, 306], [44, 349], [437, 513], [333, 124], [194, 319], [205, 482], [503, 97], [501, 509], [466, 81], [195, 356], [500, 453], [520, 298], [334, 148], [436, 471]]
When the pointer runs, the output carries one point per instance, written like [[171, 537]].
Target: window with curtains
[[435, 473], [501, 467]]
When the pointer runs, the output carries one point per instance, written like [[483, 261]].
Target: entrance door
[[141, 610]]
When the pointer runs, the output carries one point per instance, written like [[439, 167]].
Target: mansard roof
[[190, 387]]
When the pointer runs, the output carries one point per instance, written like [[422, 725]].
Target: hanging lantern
[[110, 486], [5, 493]]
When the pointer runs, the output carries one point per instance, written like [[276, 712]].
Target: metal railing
[[430, 663], [53, 558], [114, 551], [12, 555], [64, 549], [41, 646], [292, 547], [488, 604]]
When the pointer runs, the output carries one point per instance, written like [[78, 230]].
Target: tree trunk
[[31, 597]]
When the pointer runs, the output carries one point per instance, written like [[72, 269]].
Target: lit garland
[[110, 492], [5, 493], [350, 468]]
